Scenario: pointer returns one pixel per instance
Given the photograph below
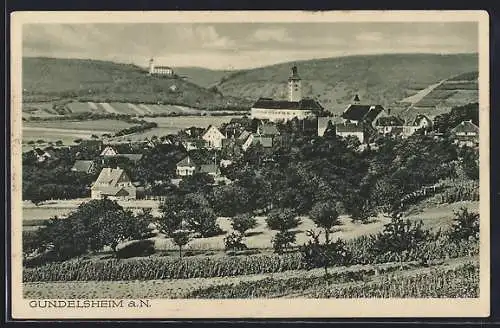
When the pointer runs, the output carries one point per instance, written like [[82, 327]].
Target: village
[[271, 124]]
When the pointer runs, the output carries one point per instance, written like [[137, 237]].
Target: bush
[[283, 240], [136, 248], [317, 255], [233, 242], [398, 236], [465, 225]]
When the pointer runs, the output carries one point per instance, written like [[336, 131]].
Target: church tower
[[151, 66], [294, 86]]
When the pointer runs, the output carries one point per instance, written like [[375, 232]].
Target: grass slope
[[203, 77], [46, 79], [381, 79]]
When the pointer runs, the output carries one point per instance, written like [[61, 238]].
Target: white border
[[258, 308]]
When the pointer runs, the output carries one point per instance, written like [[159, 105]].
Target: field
[[450, 278], [441, 97], [67, 131], [260, 237], [172, 125]]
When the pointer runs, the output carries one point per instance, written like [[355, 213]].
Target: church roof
[[304, 104]]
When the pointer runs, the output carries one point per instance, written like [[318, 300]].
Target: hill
[[455, 91], [46, 79], [381, 79], [203, 77]]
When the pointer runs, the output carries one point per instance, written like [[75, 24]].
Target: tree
[[93, 226], [181, 238], [465, 225], [243, 222], [199, 216], [325, 216], [283, 220], [171, 214]]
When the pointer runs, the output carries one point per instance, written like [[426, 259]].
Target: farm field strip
[[92, 106], [64, 131], [108, 108], [136, 109], [146, 108], [182, 288]]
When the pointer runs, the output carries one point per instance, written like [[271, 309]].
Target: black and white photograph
[[223, 158]]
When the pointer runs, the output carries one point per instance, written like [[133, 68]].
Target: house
[[347, 129], [88, 167], [284, 110], [194, 132], [419, 122], [246, 140], [192, 143], [210, 169], [213, 137], [109, 151], [135, 158], [423, 121], [358, 113], [186, 167], [389, 125], [114, 184], [45, 154], [466, 134]]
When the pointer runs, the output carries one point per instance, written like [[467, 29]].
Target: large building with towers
[[159, 70], [283, 110]]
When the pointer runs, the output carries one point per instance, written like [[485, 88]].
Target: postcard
[[252, 164]]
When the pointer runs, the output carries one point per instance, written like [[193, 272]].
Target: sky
[[243, 45]]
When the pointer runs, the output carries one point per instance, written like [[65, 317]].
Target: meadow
[[436, 217]]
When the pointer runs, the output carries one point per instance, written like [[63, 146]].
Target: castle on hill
[[159, 70]]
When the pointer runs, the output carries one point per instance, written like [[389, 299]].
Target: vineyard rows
[[203, 267], [462, 282]]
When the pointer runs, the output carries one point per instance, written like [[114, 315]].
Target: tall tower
[[294, 86], [151, 66]]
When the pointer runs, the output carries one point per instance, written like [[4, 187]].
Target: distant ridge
[[46, 79]]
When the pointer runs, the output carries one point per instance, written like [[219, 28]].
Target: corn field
[[441, 248], [196, 267], [162, 268], [461, 282]]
